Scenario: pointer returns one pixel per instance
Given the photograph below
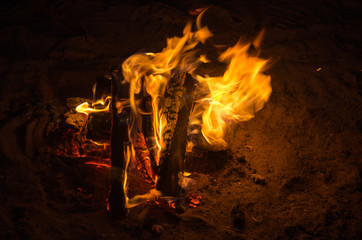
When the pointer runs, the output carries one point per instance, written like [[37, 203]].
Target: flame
[[196, 11], [235, 96], [149, 74], [203, 58], [154, 70], [86, 109], [98, 164], [138, 199], [80, 145]]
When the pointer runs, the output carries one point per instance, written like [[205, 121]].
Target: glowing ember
[[194, 200], [79, 140]]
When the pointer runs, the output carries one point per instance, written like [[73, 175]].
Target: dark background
[[306, 141]]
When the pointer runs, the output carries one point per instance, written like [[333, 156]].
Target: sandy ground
[[306, 142]]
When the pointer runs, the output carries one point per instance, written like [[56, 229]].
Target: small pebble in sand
[[157, 229], [258, 179], [238, 217]]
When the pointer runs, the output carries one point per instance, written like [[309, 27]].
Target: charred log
[[101, 89], [98, 127], [178, 101], [119, 137], [147, 129]]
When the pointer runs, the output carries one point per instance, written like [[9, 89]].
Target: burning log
[[179, 100], [119, 137], [98, 127], [99, 123], [152, 108], [153, 102], [147, 129], [178, 105]]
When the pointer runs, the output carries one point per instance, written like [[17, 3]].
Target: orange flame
[[86, 109], [155, 70], [235, 96]]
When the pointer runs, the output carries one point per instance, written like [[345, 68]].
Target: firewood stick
[[119, 135], [147, 127], [172, 160]]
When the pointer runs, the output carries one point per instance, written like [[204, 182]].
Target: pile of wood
[[178, 102]]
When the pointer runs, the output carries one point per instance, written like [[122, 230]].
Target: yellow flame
[[138, 199], [127, 157], [235, 96], [154, 70], [86, 109], [203, 58]]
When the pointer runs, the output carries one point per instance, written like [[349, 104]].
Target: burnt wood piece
[[101, 90], [98, 127], [147, 132], [179, 102], [147, 129], [119, 137]]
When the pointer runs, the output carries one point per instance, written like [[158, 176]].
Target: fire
[[148, 74], [233, 96], [155, 70], [103, 103]]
